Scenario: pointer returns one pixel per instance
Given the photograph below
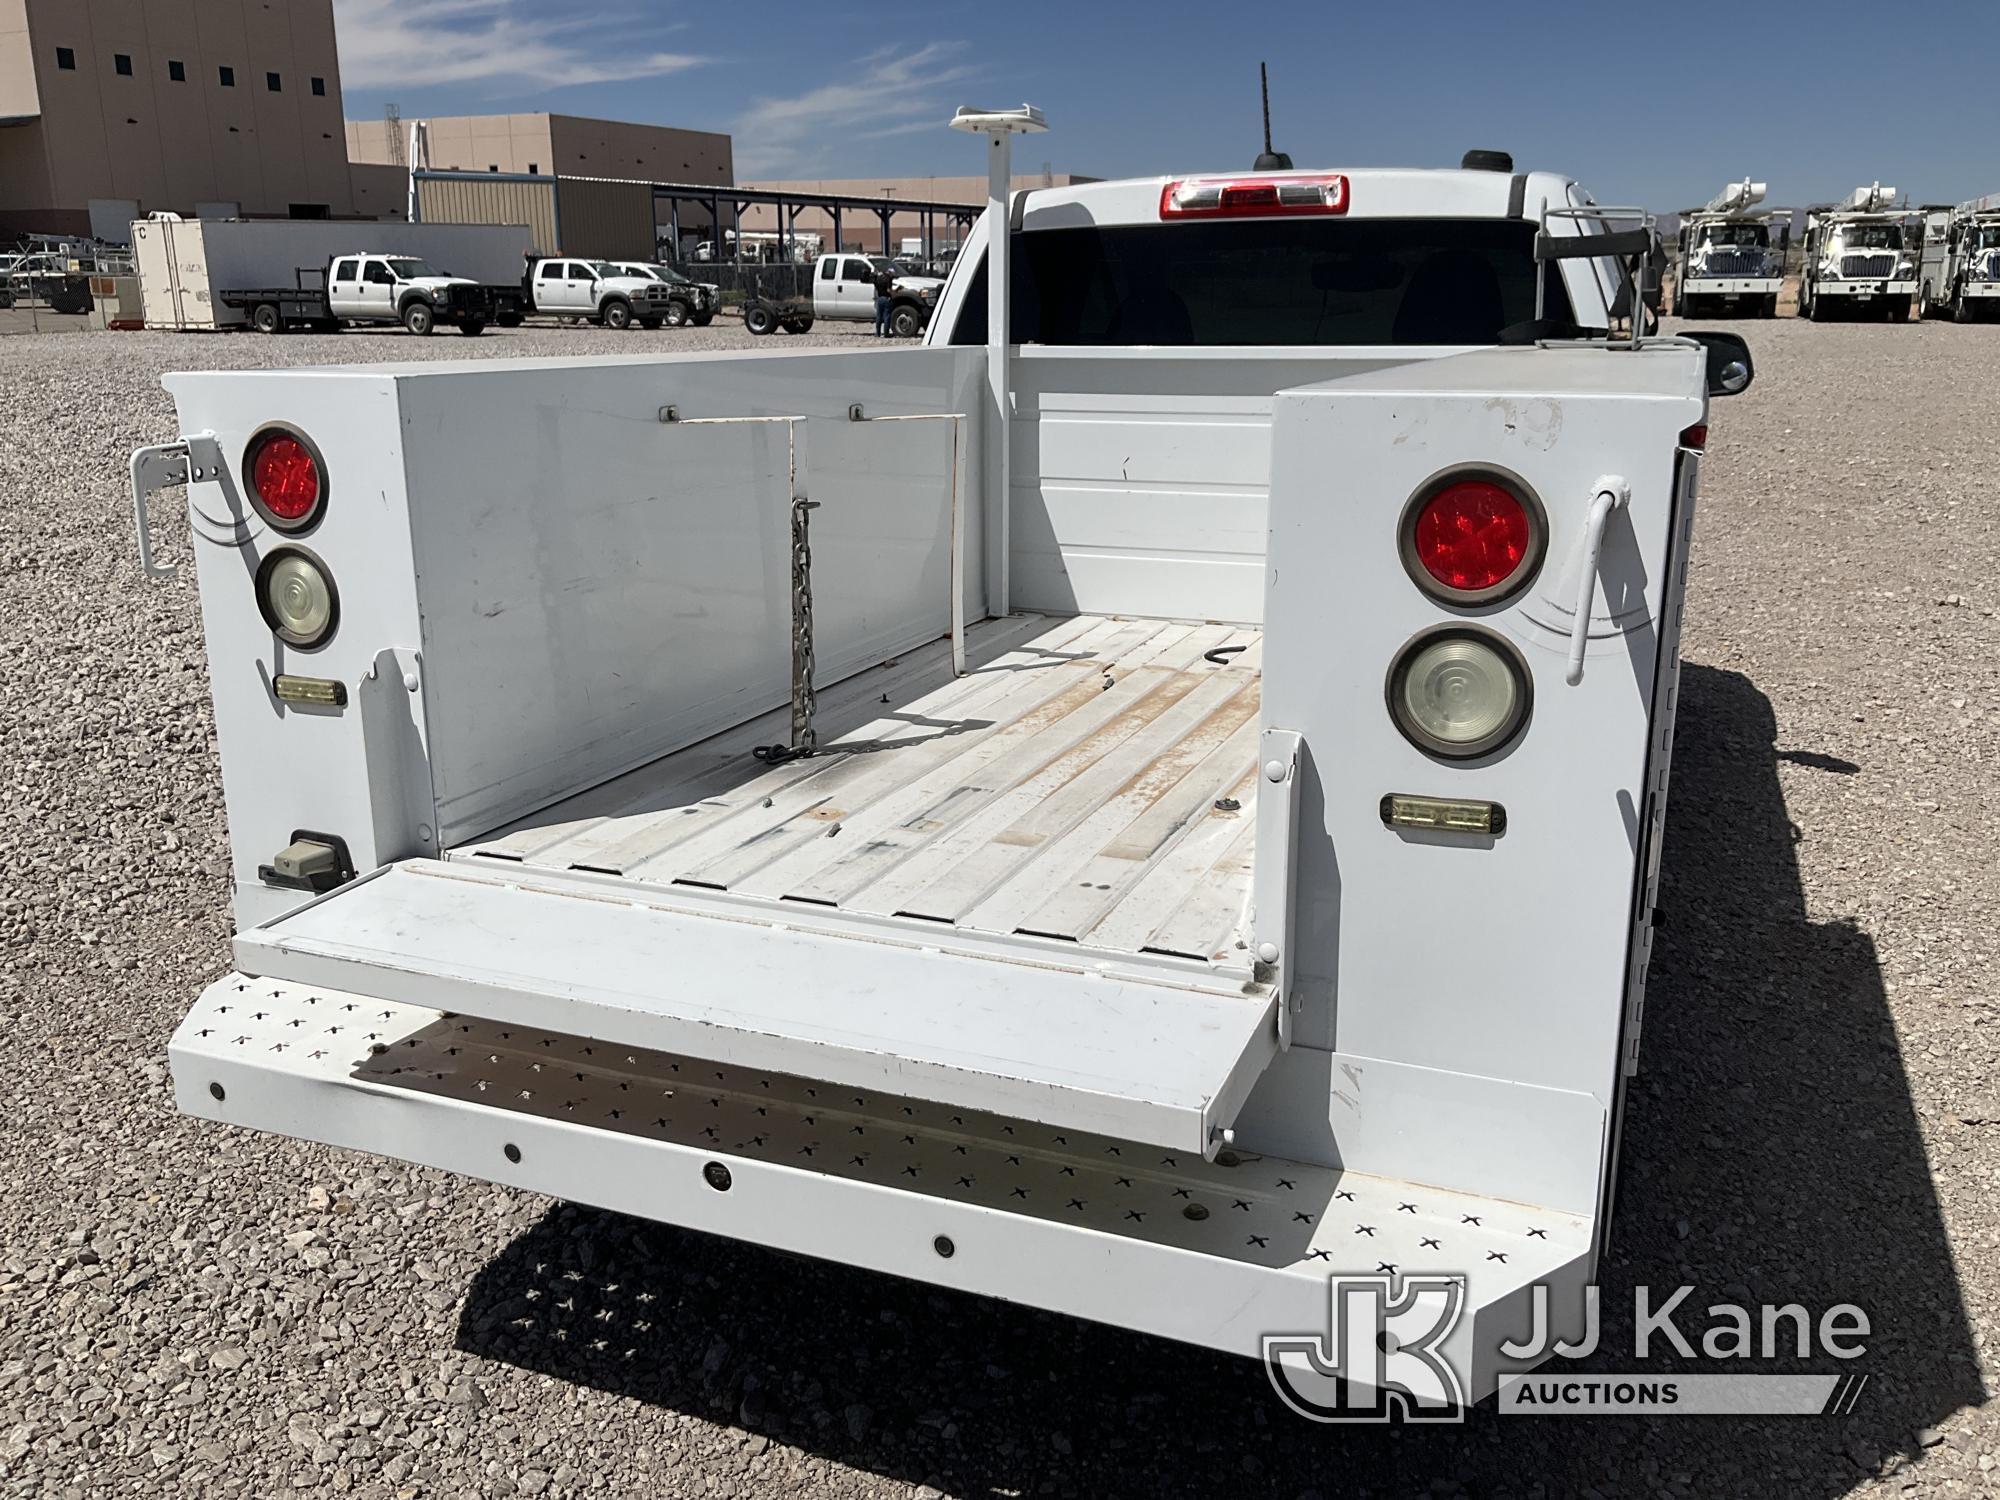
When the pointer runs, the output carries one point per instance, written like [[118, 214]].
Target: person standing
[[885, 283]]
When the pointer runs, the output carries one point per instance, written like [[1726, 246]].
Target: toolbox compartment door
[[1163, 1055]]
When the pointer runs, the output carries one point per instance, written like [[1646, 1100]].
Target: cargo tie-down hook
[[1610, 493]]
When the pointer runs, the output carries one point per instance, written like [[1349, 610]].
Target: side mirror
[[1730, 368]]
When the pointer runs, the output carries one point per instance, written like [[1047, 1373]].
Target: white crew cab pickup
[[844, 289], [367, 288], [1132, 817], [571, 287], [687, 301]]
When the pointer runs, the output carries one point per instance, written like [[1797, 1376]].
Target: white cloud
[[403, 42], [885, 93]]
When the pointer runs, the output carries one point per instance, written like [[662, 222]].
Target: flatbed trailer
[[273, 309]]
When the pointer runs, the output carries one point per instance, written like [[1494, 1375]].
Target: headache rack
[[1634, 247]]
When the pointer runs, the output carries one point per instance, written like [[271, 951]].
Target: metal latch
[[310, 862], [163, 466]]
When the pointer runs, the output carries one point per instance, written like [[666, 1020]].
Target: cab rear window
[[1306, 281]]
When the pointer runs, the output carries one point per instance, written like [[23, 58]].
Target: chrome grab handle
[[1611, 493]]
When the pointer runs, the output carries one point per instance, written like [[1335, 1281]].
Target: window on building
[[176, 71], [309, 211], [66, 59], [274, 83], [122, 62], [494, 168], [533, 169], [226, 77], [319, 88]]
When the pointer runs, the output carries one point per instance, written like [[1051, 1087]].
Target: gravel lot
[[195, 1311]]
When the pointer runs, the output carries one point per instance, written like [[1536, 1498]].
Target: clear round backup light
[[297, 597], [1458, 693]]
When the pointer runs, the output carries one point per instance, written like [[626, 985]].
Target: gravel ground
[[195, 1311]]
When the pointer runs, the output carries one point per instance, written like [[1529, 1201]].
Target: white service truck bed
[[1155, 969]]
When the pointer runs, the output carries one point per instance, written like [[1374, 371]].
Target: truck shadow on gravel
[[1772, 1154]]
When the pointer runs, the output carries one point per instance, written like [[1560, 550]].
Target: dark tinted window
[[121, 63], [176, 71], [66, 59], [1322, 282], [226, 76], [319, 88], [274, 83]]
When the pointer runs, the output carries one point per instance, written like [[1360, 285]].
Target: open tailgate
[[1162, 1054]]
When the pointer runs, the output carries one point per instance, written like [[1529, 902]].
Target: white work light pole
[[999, 126]]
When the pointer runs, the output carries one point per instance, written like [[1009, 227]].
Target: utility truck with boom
[[1859, 261], [1960, 273], [1732, 255], [1049, 811]]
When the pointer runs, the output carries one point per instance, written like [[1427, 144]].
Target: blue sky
[[1813, 101]]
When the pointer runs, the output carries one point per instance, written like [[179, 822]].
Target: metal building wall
[[606, 220], [496, 200]]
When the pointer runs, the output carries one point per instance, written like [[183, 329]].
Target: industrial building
[[111, 109], [536, 145]]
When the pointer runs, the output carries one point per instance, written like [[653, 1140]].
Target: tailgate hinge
[[1273, 884]]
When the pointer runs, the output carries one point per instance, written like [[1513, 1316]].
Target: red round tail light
[[1472, 538], [285, 478]]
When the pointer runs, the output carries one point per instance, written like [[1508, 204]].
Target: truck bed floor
[[1090, 779]]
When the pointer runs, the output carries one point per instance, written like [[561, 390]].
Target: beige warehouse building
[[544, 144], [145, 105]]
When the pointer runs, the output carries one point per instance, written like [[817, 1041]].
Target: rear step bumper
[[1143, 1237]]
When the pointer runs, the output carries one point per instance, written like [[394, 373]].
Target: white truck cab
[[377, 288], [571, 287], [1961, 261], [844, 289], [1860, 258], [687, 301], [1732, 255], [1045, 817]]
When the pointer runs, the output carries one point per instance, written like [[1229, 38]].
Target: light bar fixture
[[323, 691], [1443, 814]]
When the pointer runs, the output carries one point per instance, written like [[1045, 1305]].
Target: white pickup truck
[[367, 288], [596, 291], [688, 301], [843, 290], [1046, 815]]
